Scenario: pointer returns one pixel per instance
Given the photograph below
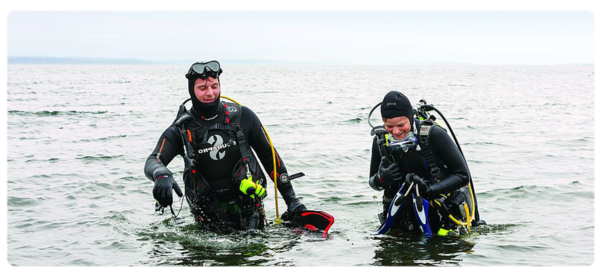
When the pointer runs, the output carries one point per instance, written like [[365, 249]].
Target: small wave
[[101, 139], [562, 192], [517, 191], [482, 143], [98, 158], [493, 228], [53, 113], [21, 201], [355, 120]]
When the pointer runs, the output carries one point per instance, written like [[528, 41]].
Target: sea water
[[78, 137]]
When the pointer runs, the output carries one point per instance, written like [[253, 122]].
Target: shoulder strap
[[379, 132], [234, 112], [189, 155], [183, 116], [426, 126]]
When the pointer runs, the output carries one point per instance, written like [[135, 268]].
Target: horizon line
[[137, 61]]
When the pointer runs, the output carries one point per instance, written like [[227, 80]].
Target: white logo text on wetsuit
[[217, 144]]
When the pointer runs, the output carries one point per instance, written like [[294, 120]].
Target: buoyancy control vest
[[215, 198], [458, 206]]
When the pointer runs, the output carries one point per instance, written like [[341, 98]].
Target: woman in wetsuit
[[430, 160]]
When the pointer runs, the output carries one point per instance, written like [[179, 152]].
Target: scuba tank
[[423, 113]]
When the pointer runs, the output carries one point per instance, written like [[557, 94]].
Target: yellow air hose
[[469, 218], [277, 219]]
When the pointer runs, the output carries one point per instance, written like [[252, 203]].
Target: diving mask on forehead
[[204, 70]]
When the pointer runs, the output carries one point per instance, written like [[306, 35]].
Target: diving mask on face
[[410, 141]]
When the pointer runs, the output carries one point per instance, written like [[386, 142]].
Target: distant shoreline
[[134, 61], [38, 60]]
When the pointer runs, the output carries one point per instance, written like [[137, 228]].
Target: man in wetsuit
[[408, 164], [224, 185]]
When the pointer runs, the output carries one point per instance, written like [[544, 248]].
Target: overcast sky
[[347, 37]]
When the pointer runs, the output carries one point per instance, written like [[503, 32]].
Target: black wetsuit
[[216, 156], [216, 165], [454, 172]]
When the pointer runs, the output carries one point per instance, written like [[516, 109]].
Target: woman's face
[[399, 127]]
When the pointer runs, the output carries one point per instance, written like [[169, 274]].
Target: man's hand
[[162, 189]]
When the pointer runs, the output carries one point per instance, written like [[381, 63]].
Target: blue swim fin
[[394, 208], [421, 207]]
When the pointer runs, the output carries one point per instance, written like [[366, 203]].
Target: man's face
[[207, 90]]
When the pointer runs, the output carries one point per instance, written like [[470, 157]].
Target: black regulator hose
[[370, 113]]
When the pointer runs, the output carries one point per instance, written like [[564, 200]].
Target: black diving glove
[[388, 173], [424, 187], [289, 196], [162, 189]]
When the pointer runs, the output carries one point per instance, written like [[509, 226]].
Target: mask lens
[[200, 68], [408, 142], [213, 66]]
